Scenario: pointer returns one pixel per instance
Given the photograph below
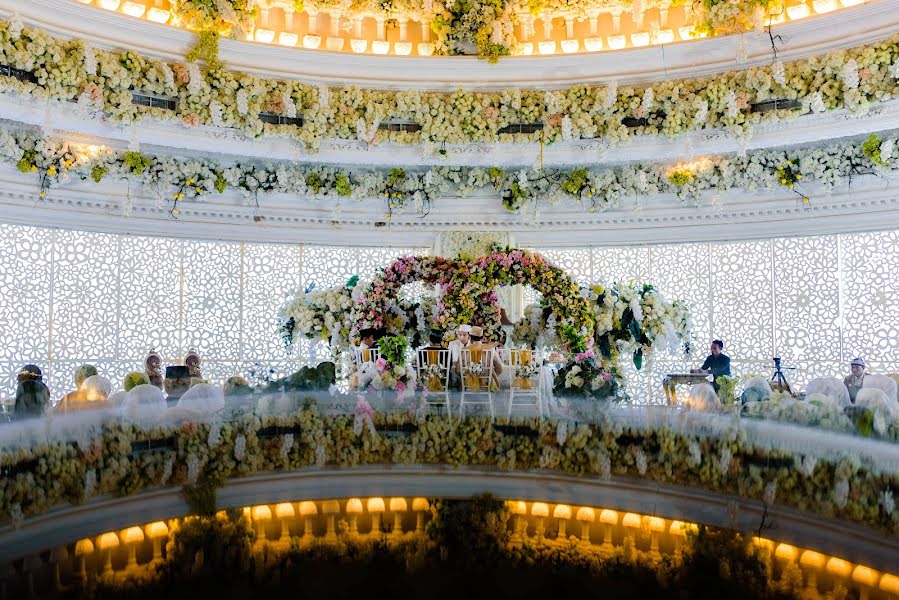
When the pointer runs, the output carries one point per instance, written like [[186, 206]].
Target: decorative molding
[[841, 29], [871, 204], [74, 123], [853, 543]]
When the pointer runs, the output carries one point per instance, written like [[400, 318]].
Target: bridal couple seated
[[471, 338]]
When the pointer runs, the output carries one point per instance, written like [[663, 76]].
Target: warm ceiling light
[[359, 46], [158, 15], [266, 36], [285, 38], [798, 11], [617, 42], [335, 44], [312, 42], [402, 48], [824, 6], [640, 39], [110, 4], [570, 46], [380, 47], [547, 47], [134, 9], [526, 49], [593, 44], [425, 49], [664, 36]]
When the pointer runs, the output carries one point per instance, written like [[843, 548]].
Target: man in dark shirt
[[716, 364]]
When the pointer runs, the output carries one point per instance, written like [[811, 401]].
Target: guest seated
[[144, 402], [91, 395], [75, 397], [716, 364], [237, 386], [463, 338], [477, 336], [32, 395], [369, 337], [855, 381]]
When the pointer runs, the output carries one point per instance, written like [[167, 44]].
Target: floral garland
[[103, 81], [176, 180], [212, 19], [390, 371], [631, 320], [466, 290], [718, 458], [326, 315]]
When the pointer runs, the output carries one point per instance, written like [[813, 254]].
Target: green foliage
[[136, 162], [210, 547], [727, 387], [575, 183], [864, 423], [871, 149], [471, 533], [220, 183], [98, 173], [206, 48], [314, 181], [681, 178], [393, 349], [308, 379], [342, 185], [723, 564], [514, 197], [27, 164], [200, 497]]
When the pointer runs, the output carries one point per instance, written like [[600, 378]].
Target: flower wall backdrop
[[829, 299]]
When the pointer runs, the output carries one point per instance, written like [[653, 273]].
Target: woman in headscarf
[[32, 395]]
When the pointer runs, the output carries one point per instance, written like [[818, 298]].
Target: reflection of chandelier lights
[[554, 38]]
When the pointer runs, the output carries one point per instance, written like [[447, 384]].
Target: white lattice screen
[[75, 297], [815, 301]]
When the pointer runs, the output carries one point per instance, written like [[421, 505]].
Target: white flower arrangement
[[457, 117]]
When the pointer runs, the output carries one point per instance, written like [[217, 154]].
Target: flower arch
[[466, 290]]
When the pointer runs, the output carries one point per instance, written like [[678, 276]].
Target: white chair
[[831, 387], [433, 369], [703, 397], [524, 386], [883, 383], [476, 368], [364, 355]]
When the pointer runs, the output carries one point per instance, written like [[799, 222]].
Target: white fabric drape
[[202, 399], [831, 387], [144, 402], [703, 397], [883, 383]]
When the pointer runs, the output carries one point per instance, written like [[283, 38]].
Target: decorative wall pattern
[[815, 301], [74, 297]]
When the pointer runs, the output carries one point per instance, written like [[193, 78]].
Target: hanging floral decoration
[[104, 81]]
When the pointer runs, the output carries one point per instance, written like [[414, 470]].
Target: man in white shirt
[[463, 339]]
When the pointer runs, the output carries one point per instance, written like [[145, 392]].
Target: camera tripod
[[779, 379]]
